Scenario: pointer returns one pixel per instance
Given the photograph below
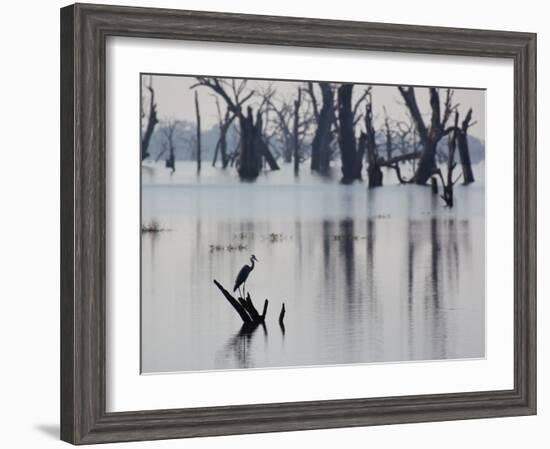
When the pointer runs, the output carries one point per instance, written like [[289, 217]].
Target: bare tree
[[281, 122], [429, 135], [252, 145], [268, 132], [168, 129], [199, 149], [290, 121], [224, 124], [151, 121], [388, 135], [400, 136], [406, 137], [448, 184], [296, 142], [395, 135], [463, 149]]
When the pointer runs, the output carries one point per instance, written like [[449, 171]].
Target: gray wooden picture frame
[[84, 29]]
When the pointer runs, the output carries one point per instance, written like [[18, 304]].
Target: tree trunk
[[389, 145], [198, 132], [258, 140], [296, 142], [464, 150], [221, 145], [269, 158], [388, 132], [249, 158], [253, 147], [171, 160], [320, 146], [151, 123], [448, 186], [374, 172], [288, 150], [169, 131], [216, 151], [426, 164], [351, 166], [361, 146]]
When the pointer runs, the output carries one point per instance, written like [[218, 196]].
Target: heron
[[243, 276]]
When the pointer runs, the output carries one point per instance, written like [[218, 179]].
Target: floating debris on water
[[152, 226], [340, 237], [230, 247], [274, 237], [381, 216]]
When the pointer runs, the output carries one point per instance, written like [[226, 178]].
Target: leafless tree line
[[324, 121]]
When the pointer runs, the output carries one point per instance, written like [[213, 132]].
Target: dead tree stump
[[245, 308]]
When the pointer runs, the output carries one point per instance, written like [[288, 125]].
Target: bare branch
[[360, 100]]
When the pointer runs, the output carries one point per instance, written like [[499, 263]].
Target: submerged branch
[[236, 305], [244, 307]]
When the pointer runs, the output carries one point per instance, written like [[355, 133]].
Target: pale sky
[[175, 100]]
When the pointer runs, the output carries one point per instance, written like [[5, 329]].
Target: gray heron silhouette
[[243, 276]]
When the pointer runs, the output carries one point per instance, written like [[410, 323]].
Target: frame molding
[[84, 29]]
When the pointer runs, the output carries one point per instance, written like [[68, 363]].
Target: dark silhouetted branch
[[463, 149], [249, 306], [429, 136], [282, 314], [264, 311], [245, 308], [400, 158], [323, 137], [236, 304], [198, 113], [151, 123], [351, 164], [374, 172], [296, 140]]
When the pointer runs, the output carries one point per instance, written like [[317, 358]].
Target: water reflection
[[367, 276], [239, 345]]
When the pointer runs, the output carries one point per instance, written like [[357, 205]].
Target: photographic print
[[295, 223]]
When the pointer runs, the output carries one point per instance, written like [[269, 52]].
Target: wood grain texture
[[84, 29], [67, 224]]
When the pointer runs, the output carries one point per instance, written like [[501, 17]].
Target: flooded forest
[[305, 223]]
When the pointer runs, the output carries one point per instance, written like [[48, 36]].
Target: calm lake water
[[379, 275]]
